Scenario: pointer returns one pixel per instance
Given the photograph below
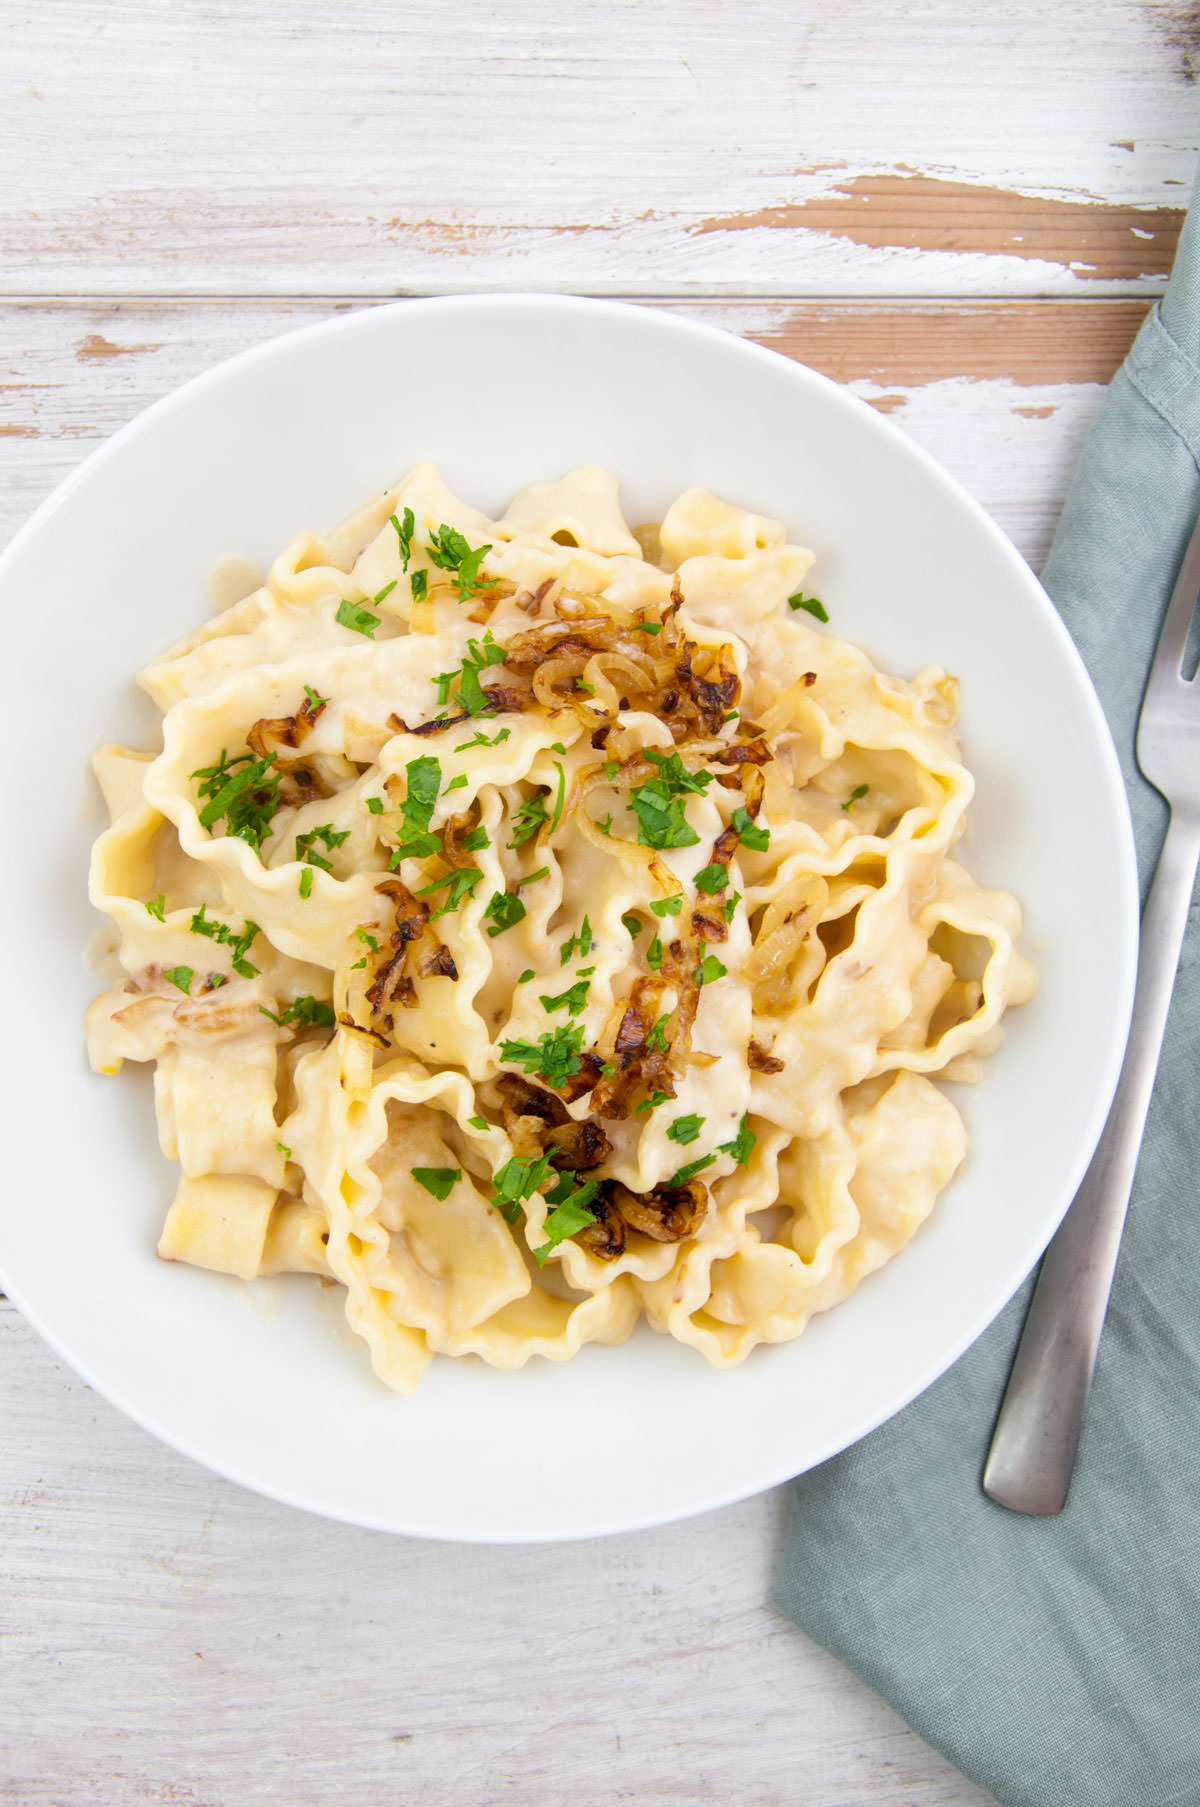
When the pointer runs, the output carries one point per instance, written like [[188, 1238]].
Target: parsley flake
[[580, 944], [860, 790], [685, 1129], [668, 906], [651, 1104], [743, 1143], [479, 1123], [633, 924], [555, 1055], [503, 909], [302, 1013], [559, 799], [181, 978], [654, 955], [709, 969], [712, 879], [418, 584], [306, 882], [439, 1181], [749, 832], [349, 614], [572, 1000], [424, 781], [730, 905], [243, 790], [461, 884], [647, 627], [516, 1181], [691, 1170], [531, 816], [570, 1215], [375, 805], [810, 604], [203, 924], [404, 533], [481, 740], [329, 838], [157, 906], [656, 1041]]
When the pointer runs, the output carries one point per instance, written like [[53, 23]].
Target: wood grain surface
[[961, 212]]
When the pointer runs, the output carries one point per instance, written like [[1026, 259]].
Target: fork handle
[[1037, 1431]]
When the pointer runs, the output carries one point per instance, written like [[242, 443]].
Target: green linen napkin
[[1056, 1661]]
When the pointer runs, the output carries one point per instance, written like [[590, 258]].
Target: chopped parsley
[[424, 781], [503, 909], [450, 551], [691, 1170], [571, 1213], [685, 1129], [462, 885], [440, 1181], [481, 740], [302, 1013], [660, 804], [404, 533], [730, 905], [713, 878], [516, 1181], [656, 1041], [418, 583], [479, 1123], [375, 805], [559, 799], [471, 694], [478, 838], [533, 877], [668, 906], [605, 824], [571, 1000], [157, 906], [306, 882], [633, 924], [743, 1143], [651, 1104], [243, 790], [361, 620], [526, 976], [647, 627], [457, 784], [749, 832], [313, 702], [555, 1055], [611, 768], [531, 816], [386, 591], [580, 944], [710, 968], [654, 955], [329, 838], [860, 790], [367, 940], [181, 978], [809, 603], [284, 1150], [238, 945]]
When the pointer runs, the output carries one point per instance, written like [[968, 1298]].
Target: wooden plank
[[608, 146], [1001, 393], [171, 1641]]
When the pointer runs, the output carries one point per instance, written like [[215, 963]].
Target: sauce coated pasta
[[536, 924]]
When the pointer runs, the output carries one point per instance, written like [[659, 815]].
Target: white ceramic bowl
[[263, 1383]]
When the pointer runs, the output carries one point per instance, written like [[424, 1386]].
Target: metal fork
[[1037, 1432]]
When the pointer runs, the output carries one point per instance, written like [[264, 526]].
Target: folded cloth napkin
[[1056, 1661]]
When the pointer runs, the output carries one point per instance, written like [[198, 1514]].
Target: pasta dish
[[535, 924]]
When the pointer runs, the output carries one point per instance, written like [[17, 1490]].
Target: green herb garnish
[[404, 533], [440, 1181], [685, 1129], [810, 603], [306, 882], [424, 781], [328, 836], [572, 1000], [462, 885], [668, 906], [202, 924], [554, 1055], [691, 1170], [656, 1041], [743, 1143], [647, 627], [750, 834], [481, 740], [450, 551], [580, 944], [480, 1123], [571, 1214], [860, 790], [302, 1013], [632, 923], [361, 620], [710, 968], [531, 816], [516, 1181], [240, 790], [418, 584], [730, 905], [503, 909], [157, 906], [712, 879], [654, 955], [181, 978], [375, 805]]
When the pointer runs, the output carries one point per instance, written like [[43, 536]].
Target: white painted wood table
[[961, 211]]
